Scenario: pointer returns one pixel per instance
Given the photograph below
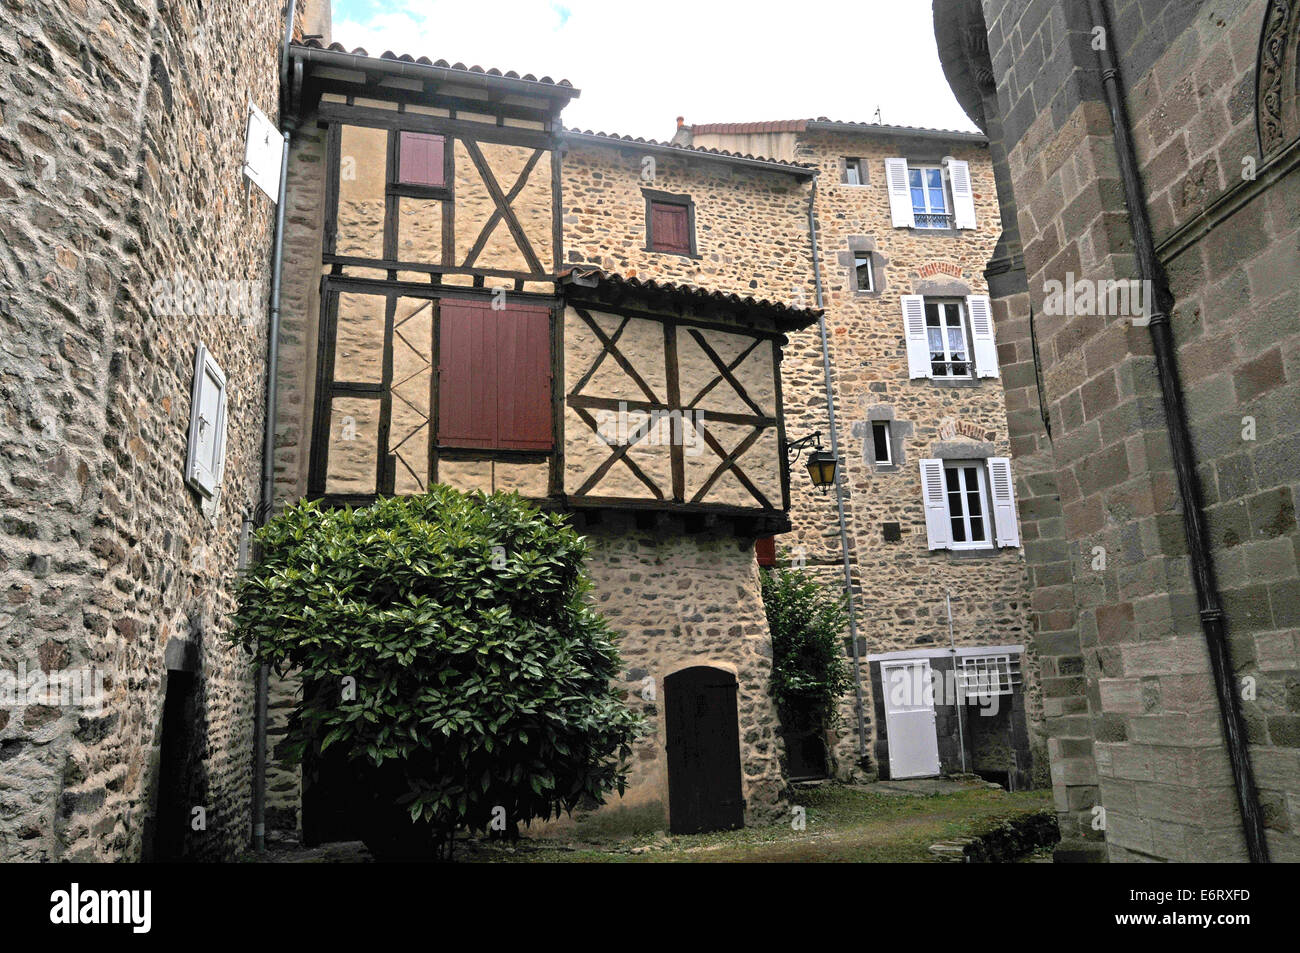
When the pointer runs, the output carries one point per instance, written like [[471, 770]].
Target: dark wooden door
[[703, 751]]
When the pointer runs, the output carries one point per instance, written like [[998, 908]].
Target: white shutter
[[983, 346], [1004, 502], [938, 529], [918, 344], [206, 457], [963, 197], [900, 195]]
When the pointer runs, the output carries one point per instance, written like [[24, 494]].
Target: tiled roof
[[822, 122], [716, 153], [788, 317], [441, 64]]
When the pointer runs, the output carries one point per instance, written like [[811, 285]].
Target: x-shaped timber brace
[[584, 404]]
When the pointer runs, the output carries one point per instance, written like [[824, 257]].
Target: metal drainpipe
[[1184, 458], [839, 495], [262, 688]]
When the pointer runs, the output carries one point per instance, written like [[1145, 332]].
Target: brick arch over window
[[1277, 90]]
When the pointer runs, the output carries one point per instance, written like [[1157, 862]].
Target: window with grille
[[985, 675]]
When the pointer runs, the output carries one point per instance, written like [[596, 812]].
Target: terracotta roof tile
[[592, 276], [698, 150], [822, 122], [441, 64]]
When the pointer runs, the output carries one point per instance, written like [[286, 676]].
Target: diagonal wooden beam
[[617, 355], [600, 358], [724, 371], [495, 217], [503, 205], [620, 453], [729, 463]]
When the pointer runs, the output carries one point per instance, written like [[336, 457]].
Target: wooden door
[[703, 751]]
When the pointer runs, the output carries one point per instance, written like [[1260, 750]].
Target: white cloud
[[641, 64]]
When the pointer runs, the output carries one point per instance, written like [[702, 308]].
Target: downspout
[[268, 435], [839, 494], [1184, 458]]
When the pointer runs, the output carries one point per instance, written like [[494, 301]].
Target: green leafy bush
[[809, 673], [479, 673]]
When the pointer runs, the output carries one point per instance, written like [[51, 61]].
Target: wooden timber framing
[[674, 407]]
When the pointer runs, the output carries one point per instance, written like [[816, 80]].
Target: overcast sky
[[642, 63]]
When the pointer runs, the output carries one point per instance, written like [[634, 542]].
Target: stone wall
[[679, 601], [121, 153], [899, 586], [1225, 229], [751, 225]]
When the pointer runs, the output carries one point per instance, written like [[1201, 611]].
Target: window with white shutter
[[983, 346], [206, 460], [969, 504], [900, 194], [963, 195]]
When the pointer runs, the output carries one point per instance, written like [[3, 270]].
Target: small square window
[[420, 160], [864, 278], [855, 172], [670, 226], [881, 443]]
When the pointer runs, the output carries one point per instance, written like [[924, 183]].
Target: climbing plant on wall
[[451, 657], [809, 673]]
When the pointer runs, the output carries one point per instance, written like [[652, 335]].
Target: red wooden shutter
[[420, 159], [494, 377], [467, 393], [669, 228], [524, 378], [765, 550]]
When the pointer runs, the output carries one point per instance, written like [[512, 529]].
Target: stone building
[[907, 218], [477, 297], [1144, 290], [130, 240]]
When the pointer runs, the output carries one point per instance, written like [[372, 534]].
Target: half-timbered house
[[478, 298]]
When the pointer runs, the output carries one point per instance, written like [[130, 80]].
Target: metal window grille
[[985, 675]]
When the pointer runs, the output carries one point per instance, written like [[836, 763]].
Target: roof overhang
[[708, 155], [597, 286]]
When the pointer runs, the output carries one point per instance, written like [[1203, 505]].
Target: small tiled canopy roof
[[612, 285], [440, 64], [636, 141]]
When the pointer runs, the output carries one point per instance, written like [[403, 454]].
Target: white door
[[909, 719]]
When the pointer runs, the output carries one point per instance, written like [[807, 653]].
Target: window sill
[[983, 552], [953, 381], [680, 254]]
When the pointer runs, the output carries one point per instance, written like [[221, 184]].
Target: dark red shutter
[[420, 159], [669, 228], [524, 378], [494, 377], [765, 550], [467, 396]]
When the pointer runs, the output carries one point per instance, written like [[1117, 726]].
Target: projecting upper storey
[[493, 302]]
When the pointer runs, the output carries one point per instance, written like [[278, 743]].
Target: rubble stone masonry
[[121, 150]]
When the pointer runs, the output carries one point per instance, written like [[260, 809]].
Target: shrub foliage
[[808, 670], [451, 648]]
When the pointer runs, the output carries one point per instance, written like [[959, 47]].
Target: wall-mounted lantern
[[820, 464]]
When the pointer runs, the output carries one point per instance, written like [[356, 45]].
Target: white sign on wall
[[263, 152]]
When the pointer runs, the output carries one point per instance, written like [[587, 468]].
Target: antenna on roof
[[877, 115]]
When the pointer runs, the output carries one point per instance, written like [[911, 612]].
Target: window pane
[[958, 530], [977, 529], [934, 180], [932, 314], [862, 267], [880, 432], [914, 178], [953, 479]]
